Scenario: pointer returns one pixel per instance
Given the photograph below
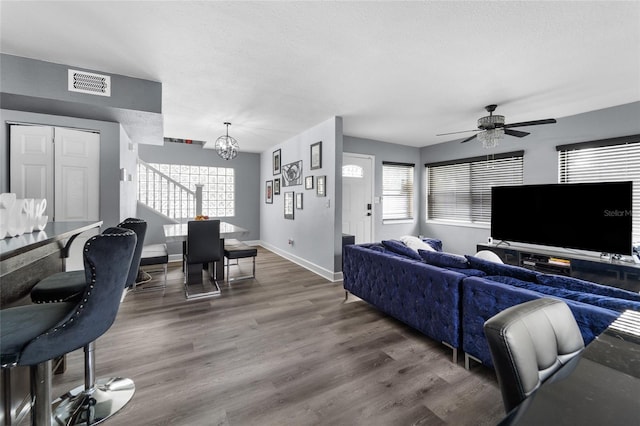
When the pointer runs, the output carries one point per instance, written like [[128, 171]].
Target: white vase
[[41, 222]]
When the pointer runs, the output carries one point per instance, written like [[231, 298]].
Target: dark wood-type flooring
[[281, 349]]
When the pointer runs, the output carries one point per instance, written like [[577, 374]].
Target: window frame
[[468, 201], [612, 159], [395, 193]]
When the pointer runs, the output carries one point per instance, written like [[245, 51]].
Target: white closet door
[[77, 171], [31, 160]]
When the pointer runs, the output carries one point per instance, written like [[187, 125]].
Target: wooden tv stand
[[614, 273]]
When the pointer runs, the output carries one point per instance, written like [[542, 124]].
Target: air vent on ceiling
[[90, 83]]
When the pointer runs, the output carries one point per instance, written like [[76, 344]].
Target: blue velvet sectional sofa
[[449, 297], [423, 296]]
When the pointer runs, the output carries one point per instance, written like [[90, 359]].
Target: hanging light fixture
[[226, 146], [490, 138], [494, 128]]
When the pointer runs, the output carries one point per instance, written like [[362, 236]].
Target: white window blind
[[460, 190], [397, 191], [612, 162]]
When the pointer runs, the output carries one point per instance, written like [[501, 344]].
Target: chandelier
[[226, 146], [489, 138], [494, 125]]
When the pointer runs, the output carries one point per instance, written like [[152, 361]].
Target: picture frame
[[308, 182], [299, 200], [292, 174], [276, 162], [316, 155], [321, 182], [289, 205], [268, 192], [276, 186]]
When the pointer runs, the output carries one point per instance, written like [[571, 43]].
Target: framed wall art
[[316, 156], [276, 186], [292, 174], [321, 182], [276, 161], [288, 205], [268, 192], [299, 200], [308, 182]]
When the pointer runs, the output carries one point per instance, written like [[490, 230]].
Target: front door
[[357, 196]]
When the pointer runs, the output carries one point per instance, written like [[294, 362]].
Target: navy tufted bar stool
[[68, 286], [33, 335]]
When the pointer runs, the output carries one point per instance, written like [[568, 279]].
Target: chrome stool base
[[90, 407]]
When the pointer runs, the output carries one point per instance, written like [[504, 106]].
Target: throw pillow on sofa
[[415, 243], [400, 248], [444, 260], [492, 268]]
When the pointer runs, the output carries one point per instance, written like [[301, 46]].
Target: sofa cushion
[[400, 248], [492, 268], [444, 260], [575, 284], [469, 272], [607, 302]]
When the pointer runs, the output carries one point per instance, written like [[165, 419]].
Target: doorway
[[357, 196], [59, 164]]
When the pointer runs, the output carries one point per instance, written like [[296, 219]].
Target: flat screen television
[[585, 216]]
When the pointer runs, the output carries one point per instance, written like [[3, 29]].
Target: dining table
[[177, 232]]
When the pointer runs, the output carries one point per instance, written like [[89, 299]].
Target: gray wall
[[247, 191], [316, 230], [110, 199], [47, 80], [42, 87], [540, 161], [384, 151]]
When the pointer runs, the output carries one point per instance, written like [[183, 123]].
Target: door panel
[[77, 165], [357, 194], [59, 164], [31, 160]]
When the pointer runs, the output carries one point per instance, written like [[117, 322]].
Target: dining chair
[[529, 342], [202, 250]]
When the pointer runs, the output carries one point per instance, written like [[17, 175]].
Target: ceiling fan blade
[[531, 123], [470, 138], [516, 133], [462, 131]]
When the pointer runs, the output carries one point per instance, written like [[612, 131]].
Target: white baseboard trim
[[324, 273]]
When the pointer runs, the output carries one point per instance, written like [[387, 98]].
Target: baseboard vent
[[89, 83]]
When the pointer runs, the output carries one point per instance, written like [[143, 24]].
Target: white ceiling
[[399, 72]]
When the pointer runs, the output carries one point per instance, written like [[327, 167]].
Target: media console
[[614, 273]]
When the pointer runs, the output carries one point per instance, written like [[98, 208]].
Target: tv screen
[[586, 216]]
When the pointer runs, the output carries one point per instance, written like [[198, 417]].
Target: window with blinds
[[604, 161], [460, 190], [397, 191]]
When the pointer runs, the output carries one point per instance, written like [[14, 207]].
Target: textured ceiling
[[399, 72]]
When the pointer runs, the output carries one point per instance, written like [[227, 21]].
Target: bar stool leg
[[41, 393], [94, 401]]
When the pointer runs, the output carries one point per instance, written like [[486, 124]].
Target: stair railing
[[167, 196]]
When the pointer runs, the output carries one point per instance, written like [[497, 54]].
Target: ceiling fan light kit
[[492, 128], [489, 138]]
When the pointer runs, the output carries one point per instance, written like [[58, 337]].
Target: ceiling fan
[[492, 127]]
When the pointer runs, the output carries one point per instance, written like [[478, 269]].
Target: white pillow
[[415, 243]]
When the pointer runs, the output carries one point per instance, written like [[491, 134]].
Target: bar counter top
[[54, 231]]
